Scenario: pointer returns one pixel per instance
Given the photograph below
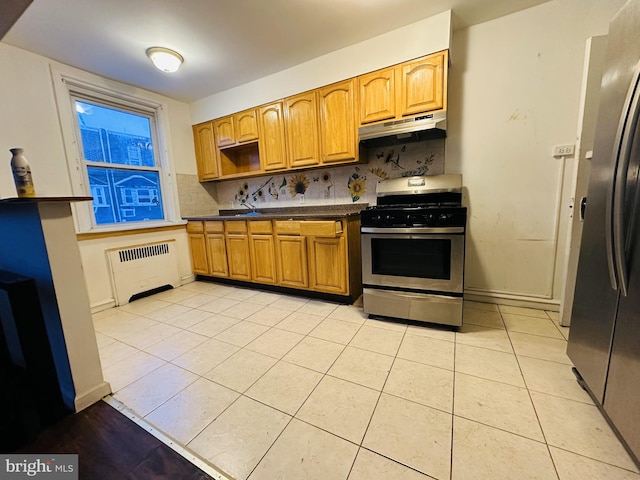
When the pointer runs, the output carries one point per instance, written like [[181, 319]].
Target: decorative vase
[[21, 173]]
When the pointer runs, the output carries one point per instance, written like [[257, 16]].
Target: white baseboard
[[485, 296], [91, 396], [103, 305]]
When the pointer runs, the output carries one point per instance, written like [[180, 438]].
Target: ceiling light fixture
[[165, 59]]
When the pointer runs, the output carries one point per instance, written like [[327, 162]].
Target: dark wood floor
[[111, 446]]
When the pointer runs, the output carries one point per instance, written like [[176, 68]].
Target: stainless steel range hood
[[425, 126]]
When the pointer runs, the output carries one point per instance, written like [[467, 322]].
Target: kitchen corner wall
[[514, 86], [514, 90]]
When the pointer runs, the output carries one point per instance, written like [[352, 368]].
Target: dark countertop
[[320, 212]]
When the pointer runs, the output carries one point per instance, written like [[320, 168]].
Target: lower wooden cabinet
[[216, 249], [291, 252], [238, 257], [263, 259], [217, 255], [328, 265], [262, 252], [317, 255], [198, 246]]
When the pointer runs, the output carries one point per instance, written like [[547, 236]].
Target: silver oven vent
[[416, 128]]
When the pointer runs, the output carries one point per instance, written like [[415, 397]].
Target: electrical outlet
[[563, 150], [302, 198]]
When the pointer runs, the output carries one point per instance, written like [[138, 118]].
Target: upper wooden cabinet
[[407, 89], [206, 151], [422, 85], [377, 92], [319, 127], [301, 126], [223, 128], [245, 125], [337, 122], [236, 129], [272, 145]]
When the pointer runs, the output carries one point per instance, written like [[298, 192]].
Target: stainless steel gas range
[[413, 244]]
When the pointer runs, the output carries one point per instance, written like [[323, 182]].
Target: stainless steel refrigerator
[[604, 339]]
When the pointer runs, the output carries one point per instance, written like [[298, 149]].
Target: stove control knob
[[413, 219], [444, 216]]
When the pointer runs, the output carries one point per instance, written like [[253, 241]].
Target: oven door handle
[[412, 230]]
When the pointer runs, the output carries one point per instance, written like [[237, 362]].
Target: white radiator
[[140, 268]]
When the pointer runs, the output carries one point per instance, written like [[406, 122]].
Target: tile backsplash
[[196, 198], [335, 185]]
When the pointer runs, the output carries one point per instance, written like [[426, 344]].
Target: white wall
[[514, 94], [29, 119]]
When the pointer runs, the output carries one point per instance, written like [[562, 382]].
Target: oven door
[[421, 259]]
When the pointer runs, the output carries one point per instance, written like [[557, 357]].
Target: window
[[117, 151], [116, 142]]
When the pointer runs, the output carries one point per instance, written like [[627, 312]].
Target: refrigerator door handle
[[622, 151]]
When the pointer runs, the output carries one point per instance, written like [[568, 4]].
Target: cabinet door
[[272, 143], [337, 122], [301, 126], [292, 261], [198, 253], [327, 264], [422, 84], [206, 152], [377, 95], [263, 259], [217, 255], [238, 256], [223, 128], [245, 126]]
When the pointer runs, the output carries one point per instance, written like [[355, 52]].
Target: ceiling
[[225, 43]]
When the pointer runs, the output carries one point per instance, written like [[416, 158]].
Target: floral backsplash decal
[[335, 185], [298, 184], [357, 185]]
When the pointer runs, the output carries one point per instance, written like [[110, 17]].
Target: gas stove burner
[[437, 203], [407, 217], [415, 206]]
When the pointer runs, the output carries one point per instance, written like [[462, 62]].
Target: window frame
[[71, 84]]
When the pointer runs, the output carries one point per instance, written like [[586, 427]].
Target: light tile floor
[[267, 386]]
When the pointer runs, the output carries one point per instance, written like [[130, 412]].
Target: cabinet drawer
[[195, 227], [321, 228], [235, 226], [214, 226], [260, 226], [287, 227]]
